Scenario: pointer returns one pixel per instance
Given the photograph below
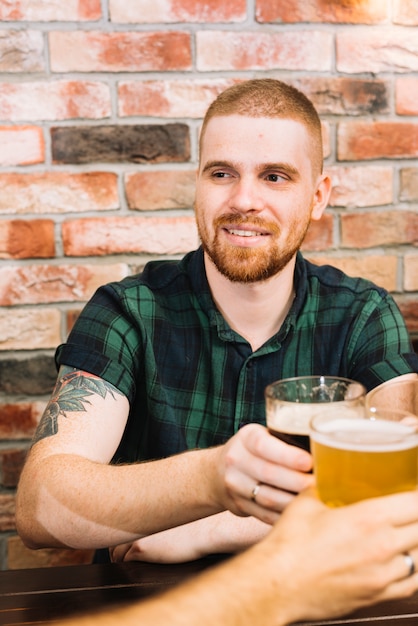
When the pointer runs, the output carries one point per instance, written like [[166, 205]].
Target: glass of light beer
[[291, 402], [364, 457]]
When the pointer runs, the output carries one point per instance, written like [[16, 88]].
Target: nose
[[245, 196]]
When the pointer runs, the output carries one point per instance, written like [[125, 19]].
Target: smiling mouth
[[245, 233]]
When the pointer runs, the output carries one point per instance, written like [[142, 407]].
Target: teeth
[[245, 233]]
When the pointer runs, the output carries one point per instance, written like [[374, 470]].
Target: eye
[[276, 178], [220, 174]]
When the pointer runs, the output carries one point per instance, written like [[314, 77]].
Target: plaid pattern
[[192, 381]]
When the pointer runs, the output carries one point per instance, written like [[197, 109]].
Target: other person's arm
[[315, 563]]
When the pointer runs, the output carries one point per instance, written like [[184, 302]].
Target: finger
[[406, 539], [268, 516], [263, 445], [265, 503], [407, 564], [274, 499], [402, 588], [397, 509], [279, 477], [270, 496], [117, 553]]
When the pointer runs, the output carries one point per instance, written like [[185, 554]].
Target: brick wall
[[100, 106]]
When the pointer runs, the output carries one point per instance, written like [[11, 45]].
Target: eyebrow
[[286, 167]]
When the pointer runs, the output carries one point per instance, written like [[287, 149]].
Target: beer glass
[[364, 457], [291, 402], [397, 394]]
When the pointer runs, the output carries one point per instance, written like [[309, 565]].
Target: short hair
[[268, 97]]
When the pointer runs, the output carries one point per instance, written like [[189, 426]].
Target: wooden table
[[41, 596]]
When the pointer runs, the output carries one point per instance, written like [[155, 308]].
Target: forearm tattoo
[[71, 393]]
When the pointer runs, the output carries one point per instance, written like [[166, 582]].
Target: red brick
[[22, 51], [377, 50], [172, 11], [168, 189], [58, 192], [407, 96], [117, 235], [409, 310], [19, 420], [169, 98], [363, 230], [20, 557], [377, 140], [409, 184], [405, 12], [29, 328], [24, 239], [11, 465], [381, 270], [71, 318], [81, 51], [21, 145], [361, 186], [295, 50], [35, 284], [411, 272], [320, 234], [326, 139], [54, 100], [350, 11], [70, 10], [7, 512]]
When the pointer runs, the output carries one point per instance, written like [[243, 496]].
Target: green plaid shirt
[[192, 381]]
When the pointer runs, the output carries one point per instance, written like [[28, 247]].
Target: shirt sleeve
[[105, 341], [381, 347]]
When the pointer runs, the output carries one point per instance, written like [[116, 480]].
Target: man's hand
[[221, 533], [253, 458]]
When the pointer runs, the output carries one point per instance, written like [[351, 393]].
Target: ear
[[321, 197]]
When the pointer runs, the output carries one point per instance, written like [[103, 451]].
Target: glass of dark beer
[[291, 403]]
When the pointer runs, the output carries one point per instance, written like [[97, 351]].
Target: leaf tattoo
[[70, 394]]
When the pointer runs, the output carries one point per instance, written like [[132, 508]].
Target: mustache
[[238, 220]]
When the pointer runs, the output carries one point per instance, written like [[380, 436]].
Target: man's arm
[[69, 494], [217, 534]]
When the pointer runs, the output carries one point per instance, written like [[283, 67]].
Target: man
[[169, 367], [316, 563]]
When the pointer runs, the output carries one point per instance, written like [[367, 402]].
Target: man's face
[[256, 194]]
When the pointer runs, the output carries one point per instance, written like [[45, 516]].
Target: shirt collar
[[195, 268]]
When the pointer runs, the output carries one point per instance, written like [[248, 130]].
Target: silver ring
[[409, 561], [255, 492]]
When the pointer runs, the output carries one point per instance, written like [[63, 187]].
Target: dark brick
[[32, 376], [342, 96], [7, 512], [11, 463], [115, 144]]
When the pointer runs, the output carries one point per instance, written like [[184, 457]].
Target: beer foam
[[365, 435], [294, 417]]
